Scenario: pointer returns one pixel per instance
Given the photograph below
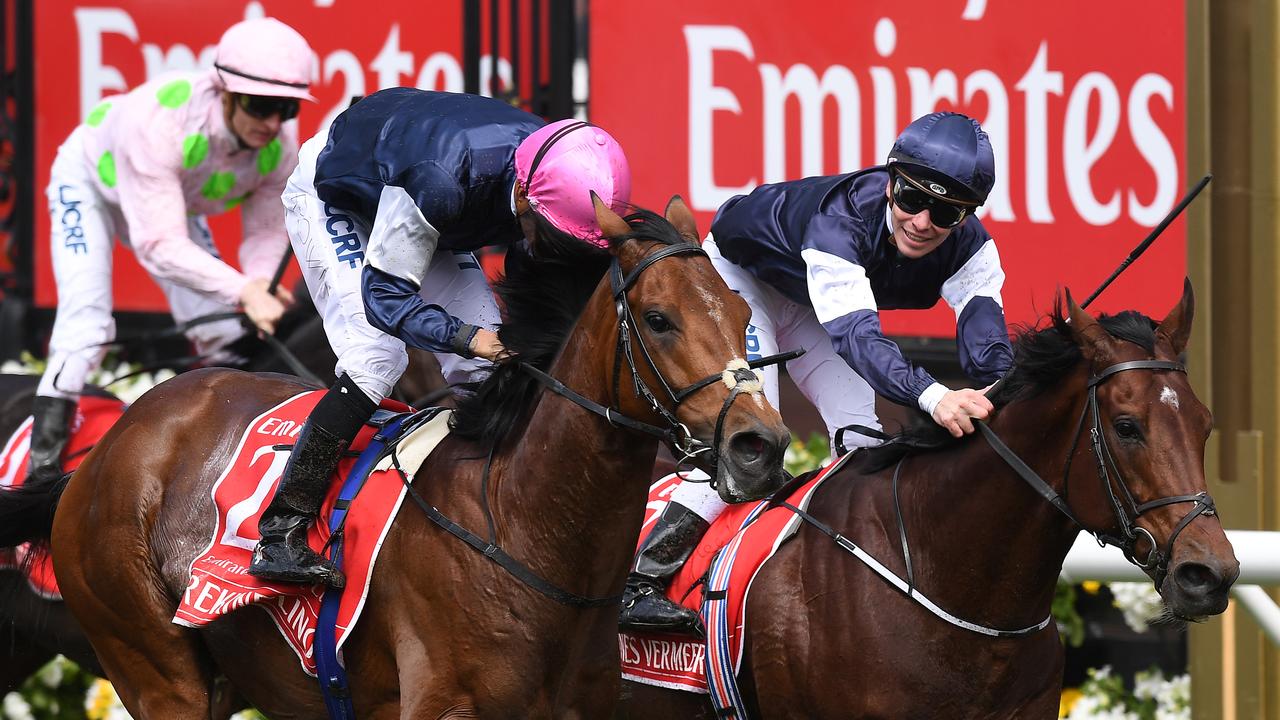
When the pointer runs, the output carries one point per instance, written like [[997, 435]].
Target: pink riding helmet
[[264, 57], [561, 164]]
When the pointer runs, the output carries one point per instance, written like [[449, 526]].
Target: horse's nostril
[[1194, 577], [749, 446]]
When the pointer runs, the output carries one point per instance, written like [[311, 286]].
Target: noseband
[[1127, 511], [739, 376]]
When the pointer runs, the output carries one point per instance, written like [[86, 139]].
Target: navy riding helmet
[[949, 154]]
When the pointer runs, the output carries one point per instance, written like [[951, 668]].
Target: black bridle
[[1126, 511], [738, 375]]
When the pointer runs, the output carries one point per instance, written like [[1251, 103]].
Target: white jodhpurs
[[778, 324], [83, 226], [841, 396], [330, 244]]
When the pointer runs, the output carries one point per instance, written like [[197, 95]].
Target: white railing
[[1258, 553]]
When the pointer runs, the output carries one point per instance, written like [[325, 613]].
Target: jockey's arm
[[401, 245], [982, 336], [155, 212], [845, 304], [857, 337]]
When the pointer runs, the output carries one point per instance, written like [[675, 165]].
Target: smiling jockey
[[816, 259], [384, 212], [147, 167]]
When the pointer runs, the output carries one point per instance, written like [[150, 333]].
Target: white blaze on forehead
[[1169, 397], [715, 310], [715, 306]]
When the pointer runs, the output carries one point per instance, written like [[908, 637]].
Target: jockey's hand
[[957, 408], [486, 344], [264, 309]]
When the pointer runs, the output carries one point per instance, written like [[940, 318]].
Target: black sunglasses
[[263, 107], [912, 199]]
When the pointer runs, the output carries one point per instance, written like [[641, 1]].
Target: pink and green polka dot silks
[[163, 152]]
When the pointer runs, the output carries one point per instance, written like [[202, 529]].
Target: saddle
[[715, 582], [219, 579]]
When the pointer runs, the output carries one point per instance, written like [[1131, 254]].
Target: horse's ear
[[1176, 326], [611, 224], [681, 218], [1088, 334]]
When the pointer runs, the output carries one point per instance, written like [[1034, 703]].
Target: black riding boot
[[672, 540], [50, 427], [283, 553]]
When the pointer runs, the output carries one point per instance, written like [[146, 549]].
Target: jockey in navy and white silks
[[833, 262], [816, 259], [384, 211]]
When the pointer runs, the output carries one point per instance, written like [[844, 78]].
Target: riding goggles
[[263, 107], [911, 198]]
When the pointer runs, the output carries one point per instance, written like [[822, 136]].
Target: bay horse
[[444, 632], [33, 628], [826, 637]]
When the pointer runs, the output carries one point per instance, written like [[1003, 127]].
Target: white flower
[[16, 708], [1148, 685], [1139, 602], [51, 673]]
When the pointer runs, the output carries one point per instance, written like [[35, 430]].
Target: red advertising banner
[[87, 51], [1085, 113]]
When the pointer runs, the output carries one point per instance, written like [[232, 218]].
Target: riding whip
[[1155, 233], [284, 265], [1141, 248]]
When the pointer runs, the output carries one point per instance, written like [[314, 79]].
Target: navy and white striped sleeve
[[412, 209], [392, 305], [982, 336], [844, 303]]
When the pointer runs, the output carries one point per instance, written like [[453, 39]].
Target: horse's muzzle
[[1199, 589], [750, 466]]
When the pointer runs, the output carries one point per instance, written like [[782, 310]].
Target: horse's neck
[[577, 484], [982, 540]]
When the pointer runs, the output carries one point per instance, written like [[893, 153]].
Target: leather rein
[[1126, 511], [736, 376]]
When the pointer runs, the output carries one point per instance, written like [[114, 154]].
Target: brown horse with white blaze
[[1102, 412], [445, 632]]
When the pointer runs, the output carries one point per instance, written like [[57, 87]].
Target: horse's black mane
[[1041, 357], [543, 296]]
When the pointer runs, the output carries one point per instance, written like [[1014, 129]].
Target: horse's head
[[681, 349], [1143, 435]]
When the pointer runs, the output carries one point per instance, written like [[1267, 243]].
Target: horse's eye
[[658, 322], [1127, 429]]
